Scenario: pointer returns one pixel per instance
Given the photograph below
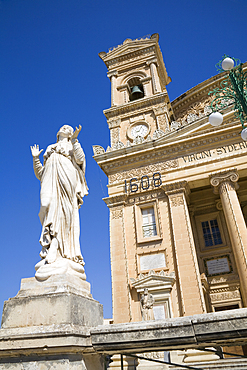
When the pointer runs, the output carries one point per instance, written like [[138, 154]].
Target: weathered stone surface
[[55, 362], [224, 364], [185, 332], [47, 326], [52, 303]]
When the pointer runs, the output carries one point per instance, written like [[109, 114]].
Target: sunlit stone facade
[[177, 191]]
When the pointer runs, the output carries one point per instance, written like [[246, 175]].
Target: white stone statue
[[63, 186], [147, 302]]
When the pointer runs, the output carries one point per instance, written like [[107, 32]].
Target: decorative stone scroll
[[97, 150], [143, 171], [229, 178]]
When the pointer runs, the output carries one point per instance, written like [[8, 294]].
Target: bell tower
[[140, 106]]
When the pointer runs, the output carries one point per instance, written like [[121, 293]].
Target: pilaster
[[119, 261], [191, 292]]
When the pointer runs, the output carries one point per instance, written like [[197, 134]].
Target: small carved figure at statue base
[[63, 187], [147, 302]]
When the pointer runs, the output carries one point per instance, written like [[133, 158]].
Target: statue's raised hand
[[76, 133], [35, 150]]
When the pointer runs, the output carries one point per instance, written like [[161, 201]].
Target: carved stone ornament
[[114, 136], [175, 125], [177, 200], [138, 140], [142, 171], [225, 294], [197, 110], [231, 177], [218, 205], [158, 133], [97, 150], [118, 145], [116, 213], [135, 199]]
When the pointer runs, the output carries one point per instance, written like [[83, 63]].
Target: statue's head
[[145, 291], [65, 131]]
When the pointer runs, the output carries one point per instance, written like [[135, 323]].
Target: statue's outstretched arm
[[78, 151], [37, 166]]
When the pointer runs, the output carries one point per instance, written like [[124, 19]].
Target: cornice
[[131, 56], [129, 107], [154, 151]]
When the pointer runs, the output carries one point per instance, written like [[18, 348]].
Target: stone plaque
[[159, 312], [152, 261], [218, 266]]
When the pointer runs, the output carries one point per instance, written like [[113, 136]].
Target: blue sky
[[51, 74]]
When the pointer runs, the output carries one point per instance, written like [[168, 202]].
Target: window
[[211, 233], [148, 222]]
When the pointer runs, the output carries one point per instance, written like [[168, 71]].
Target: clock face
[[139, 130]]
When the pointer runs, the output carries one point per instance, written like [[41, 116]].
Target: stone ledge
[[221, 328], [45, 339]]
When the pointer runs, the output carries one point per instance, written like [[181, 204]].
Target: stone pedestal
[[47, 325]]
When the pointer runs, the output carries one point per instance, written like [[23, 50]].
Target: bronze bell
[[136, 93]]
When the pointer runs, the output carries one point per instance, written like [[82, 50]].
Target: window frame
[[139, 222], [208, 217]]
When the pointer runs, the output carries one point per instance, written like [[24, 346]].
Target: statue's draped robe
[[63, 186]]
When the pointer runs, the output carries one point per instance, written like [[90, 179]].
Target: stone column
[[155, 77], [188, 275], [225, 183], [113, 76]]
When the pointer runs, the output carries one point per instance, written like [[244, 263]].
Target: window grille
[[211, 233], [148, 222]]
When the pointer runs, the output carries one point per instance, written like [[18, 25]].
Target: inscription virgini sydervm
[[214, 152]]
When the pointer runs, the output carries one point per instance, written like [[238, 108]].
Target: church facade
[[177, 192]]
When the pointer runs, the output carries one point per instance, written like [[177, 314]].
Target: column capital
[[112, 73], [113, 123], [115, 201], [151, 61], [229, 177], [176, 187]]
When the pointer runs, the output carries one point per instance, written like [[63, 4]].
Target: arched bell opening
[[135, 88]]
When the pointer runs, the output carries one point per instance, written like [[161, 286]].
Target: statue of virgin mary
[[63, 187]]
